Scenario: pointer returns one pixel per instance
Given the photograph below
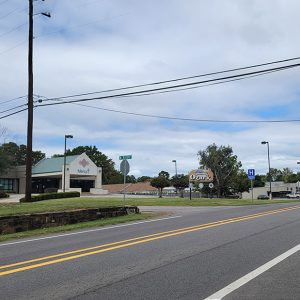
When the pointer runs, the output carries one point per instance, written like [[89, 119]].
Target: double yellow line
[[71, 255]]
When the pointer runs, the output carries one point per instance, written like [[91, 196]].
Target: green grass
[[83, 225], [78, 203]]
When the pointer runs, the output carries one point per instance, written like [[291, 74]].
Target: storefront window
[[7, 185]]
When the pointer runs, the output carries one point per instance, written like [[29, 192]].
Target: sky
[[90, 45]]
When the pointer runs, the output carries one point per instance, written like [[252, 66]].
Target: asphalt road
[[191, 254]]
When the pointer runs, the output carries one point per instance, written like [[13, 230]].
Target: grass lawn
[[77, 203], [83, 225]]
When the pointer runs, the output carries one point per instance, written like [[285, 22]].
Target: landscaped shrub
[[3, 195], [49, 196]]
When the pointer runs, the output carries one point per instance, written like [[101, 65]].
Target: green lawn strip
[[57, 205], [83, 225]]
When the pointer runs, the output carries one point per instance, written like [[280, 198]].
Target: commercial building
[[279, 190], [81, 175]]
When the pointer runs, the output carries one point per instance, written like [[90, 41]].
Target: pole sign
[[201, 175], [122, 157], [251, 174], [124, 167]]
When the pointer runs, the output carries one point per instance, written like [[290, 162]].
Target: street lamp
[[67, 136], [270, 178], [174, 161]]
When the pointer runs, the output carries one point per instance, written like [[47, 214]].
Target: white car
[[293, 196]]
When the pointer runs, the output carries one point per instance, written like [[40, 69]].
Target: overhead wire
[[179, 79], [12, 30], [14, 99], [187, 119], [13, 108], [197, 83], [14, 113]]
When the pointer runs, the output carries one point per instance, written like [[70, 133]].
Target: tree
[[276, 175], [143, 178], [180, 182], [16, 154], [160, 182], [240, 182], [259, 181], [164, 174], [223, 163]]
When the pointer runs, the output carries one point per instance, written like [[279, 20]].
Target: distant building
[[48, 174], [279, 190]]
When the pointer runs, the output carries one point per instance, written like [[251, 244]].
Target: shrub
[[48, 196], [3, 195]]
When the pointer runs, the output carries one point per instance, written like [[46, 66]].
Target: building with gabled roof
[[81, 174]]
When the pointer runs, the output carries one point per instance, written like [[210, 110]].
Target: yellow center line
[[137, 238], [133, 241]]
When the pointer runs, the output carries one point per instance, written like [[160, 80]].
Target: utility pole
[[30, 106]]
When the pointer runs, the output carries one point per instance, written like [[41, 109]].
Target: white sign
[[83, 165], [211, 185]]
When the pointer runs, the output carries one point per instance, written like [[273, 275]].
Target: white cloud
[[109, 44]]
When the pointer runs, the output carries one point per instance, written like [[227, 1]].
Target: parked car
[[263, 197], [293, 196]]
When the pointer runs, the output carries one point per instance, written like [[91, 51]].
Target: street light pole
[[270, 177], [67, 136], [174, 161]]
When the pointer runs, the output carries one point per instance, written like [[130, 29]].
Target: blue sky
[[90, 45]]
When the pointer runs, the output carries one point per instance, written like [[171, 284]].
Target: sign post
[[251, 177], [124, 168], [200, 176]]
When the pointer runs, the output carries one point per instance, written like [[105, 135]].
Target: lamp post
[[67, 136], [270, 178], [174, 161]]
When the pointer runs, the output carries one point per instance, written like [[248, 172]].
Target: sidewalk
[[13, 198]]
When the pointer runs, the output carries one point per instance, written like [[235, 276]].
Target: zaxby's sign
[[201, 175]]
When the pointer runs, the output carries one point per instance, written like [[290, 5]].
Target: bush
[[49, 196], [3, 195]]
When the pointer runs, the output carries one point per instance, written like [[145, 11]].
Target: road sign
[[251, 174], [211, 185], [124, 167], [122, 157]]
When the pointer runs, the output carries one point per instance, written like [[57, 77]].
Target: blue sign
[[251, 174]]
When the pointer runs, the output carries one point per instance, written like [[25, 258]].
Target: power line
[[10, 109], [12, 48], [12, 11], [12, 30], [174, 87], [188, 119], [14, 99], [14, 113], [179, 79]]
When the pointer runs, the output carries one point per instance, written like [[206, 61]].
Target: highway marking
[[243, 280], [137, 238], [129, 242], [86, 231]]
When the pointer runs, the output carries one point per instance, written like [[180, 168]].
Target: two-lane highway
[[193, 254]]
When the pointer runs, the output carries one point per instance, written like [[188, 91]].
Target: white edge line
[[245, 279], [86, 231]]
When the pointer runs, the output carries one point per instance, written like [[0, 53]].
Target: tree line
[[229, 177]]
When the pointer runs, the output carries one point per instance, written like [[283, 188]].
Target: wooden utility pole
[[30, 106]]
